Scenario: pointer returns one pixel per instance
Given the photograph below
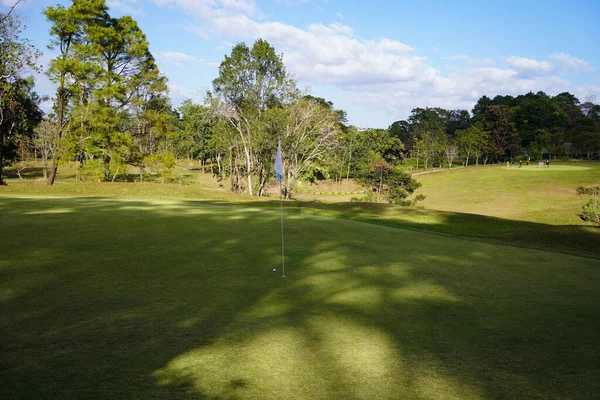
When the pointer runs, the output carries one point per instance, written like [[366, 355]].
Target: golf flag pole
[[279, 177]]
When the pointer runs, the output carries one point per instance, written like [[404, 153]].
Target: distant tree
[[470, 142], [69, 70], [457, 120], [451, 151], [431, 120], [569, 150], [17, 99], [250, 80], [504, 136], [537, 114], [480, 107], [390, 183], [309, 130], [349, 141], [400, 130], [21, 113], [23, 150], [160, 163], [193, 138], [44, 141]]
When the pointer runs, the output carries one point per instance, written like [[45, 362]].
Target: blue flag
[[278, 163]]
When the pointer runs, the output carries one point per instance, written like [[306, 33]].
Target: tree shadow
[[27, 173], [122, 299]]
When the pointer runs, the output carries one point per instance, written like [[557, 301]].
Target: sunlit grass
[[535, 194], [167, 299]]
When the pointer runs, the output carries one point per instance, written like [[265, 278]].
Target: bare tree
[[451, 151], [569, 149], [311, 130], [44, 140]]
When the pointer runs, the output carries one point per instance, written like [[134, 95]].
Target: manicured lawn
[[113, 298], [545, 195]]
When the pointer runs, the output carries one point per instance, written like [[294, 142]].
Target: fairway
[[108, 298], [534, 194]]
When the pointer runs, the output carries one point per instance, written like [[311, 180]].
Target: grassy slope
[[528, 194], [139, 299]]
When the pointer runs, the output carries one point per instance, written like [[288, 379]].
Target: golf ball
[[274, 269]]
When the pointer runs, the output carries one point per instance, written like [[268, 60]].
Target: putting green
[[122, 299]]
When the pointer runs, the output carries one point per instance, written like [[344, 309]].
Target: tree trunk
[[107, 169], [249, 171], [348, 173], [53, 170], [380, 185], [59, 128]]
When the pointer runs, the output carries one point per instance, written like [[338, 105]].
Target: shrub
[[584, 190], [591, 211], [92, 170]]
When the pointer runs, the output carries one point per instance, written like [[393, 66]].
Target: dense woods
[[112, 115]]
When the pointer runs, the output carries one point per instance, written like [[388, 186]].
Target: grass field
[[545, 195], [137, 291]]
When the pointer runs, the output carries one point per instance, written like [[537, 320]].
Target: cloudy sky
[[375, 59]]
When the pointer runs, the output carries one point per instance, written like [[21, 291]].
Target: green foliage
[[161, 164], [92, 170], [108, 86], [387, 182], [504, 137], [591, 211], [19, 114], [17, 53]]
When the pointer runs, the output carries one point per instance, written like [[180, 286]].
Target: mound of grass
[[165, 299]]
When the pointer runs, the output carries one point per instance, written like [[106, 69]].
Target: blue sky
[[378, 59]]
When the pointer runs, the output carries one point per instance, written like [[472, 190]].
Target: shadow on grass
[[582, 240], [28, 173], [134, 299]]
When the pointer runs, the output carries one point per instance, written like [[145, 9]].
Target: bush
[[591, 211], [92, 170], [583, 190]]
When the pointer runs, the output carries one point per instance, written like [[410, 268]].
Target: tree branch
[[10, 11]]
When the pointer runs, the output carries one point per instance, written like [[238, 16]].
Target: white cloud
[[571, 63], [340, 15], [530, 67], [588, 93], [132, 7], [470, 60], [378, 74], [176, 58], [180, 93], [292, 1]]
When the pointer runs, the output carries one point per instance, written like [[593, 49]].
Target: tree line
[[533, 125], [112, 114]]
